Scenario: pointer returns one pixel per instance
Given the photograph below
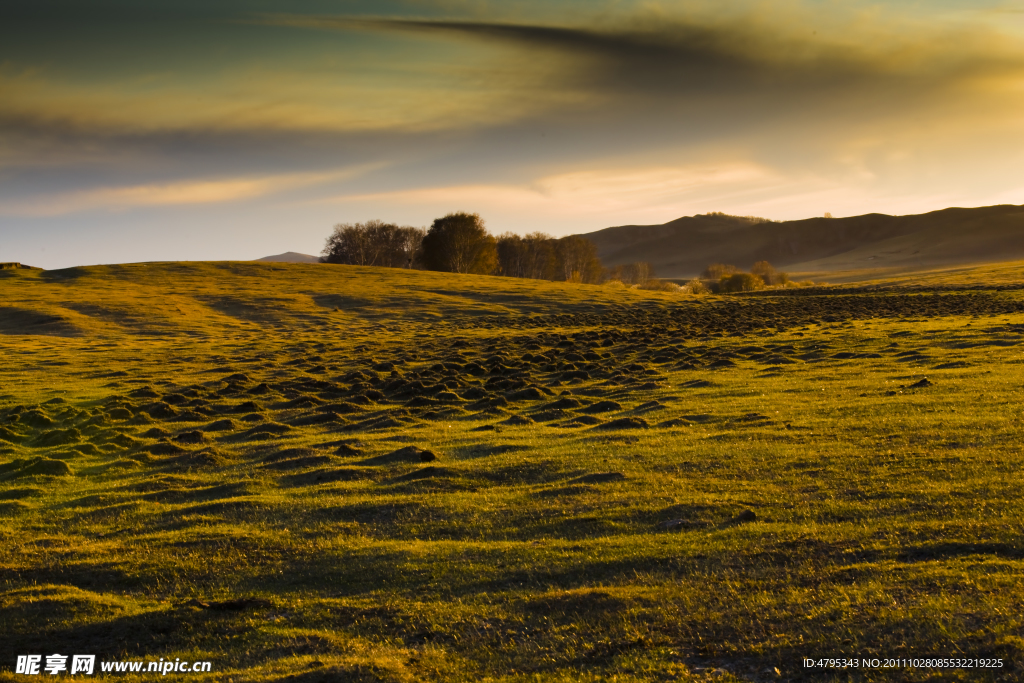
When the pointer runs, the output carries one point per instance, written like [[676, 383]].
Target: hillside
[[313, 473], [290, 257], [874, 242], [213, 299]]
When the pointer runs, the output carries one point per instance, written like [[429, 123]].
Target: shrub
[[695, 286], [655, 285], [740, 282], [767, 272]]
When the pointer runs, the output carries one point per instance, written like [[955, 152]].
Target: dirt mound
[[598, 478], [58, 437], [163, 448], [318, 419], [327, 476], [299, 463], [160, 410], [36, 467], [225, 425], [7, 435], [602, 407], [246, 407], [427, 473], [205, 458], [565, 403], [144, 392], [191, 437], [35, 418], [527, 394], [402, 455], [625, 423], [518, 421]]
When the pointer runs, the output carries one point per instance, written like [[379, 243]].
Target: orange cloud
[[168, 194]]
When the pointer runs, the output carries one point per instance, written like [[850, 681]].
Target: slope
[[955, 236]]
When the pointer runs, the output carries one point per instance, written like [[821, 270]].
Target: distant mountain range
[[291, 257], [684, 247]]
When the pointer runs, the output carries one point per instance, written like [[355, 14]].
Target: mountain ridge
[[290, 257], [683, 247]]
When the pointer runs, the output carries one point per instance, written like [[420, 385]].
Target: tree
[[373, 243], [511, 255], [716, 271], [410, 242], [459, 243], [539, 256], [577, 260], [532, 256], [637, 273]]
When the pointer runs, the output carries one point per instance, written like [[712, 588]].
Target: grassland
[[311, 473]]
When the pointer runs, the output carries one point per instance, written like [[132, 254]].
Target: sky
[[194, 130]]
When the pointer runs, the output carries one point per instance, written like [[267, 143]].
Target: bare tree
[[540, 261], [373, 243], [532, 256], [577, 260], [716, 271], [638, 273], [512, 255]]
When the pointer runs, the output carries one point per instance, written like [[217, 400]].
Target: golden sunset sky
[[233, 130]]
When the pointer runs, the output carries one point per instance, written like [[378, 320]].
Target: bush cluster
[[640, 274], [726, 278]]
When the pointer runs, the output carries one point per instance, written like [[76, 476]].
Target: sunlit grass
[[886, 517]]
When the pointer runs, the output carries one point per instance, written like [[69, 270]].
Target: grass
[[985, 275], [225, 462]]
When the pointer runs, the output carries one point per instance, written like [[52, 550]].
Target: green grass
[[180, 435]]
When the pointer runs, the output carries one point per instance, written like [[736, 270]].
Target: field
[[330, 473]]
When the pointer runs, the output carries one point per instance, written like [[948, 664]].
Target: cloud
[[187, 192], [642, 187], [659, 80], [665, 56], [266, 100], [787, 86], [638, 192], [615, 114]]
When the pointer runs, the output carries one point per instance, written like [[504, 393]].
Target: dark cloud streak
[[740, 58]]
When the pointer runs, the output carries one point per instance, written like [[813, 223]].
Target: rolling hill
[[308, 473], [873, 243], [290, 257]]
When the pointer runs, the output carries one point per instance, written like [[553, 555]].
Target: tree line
[[459, 243]]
